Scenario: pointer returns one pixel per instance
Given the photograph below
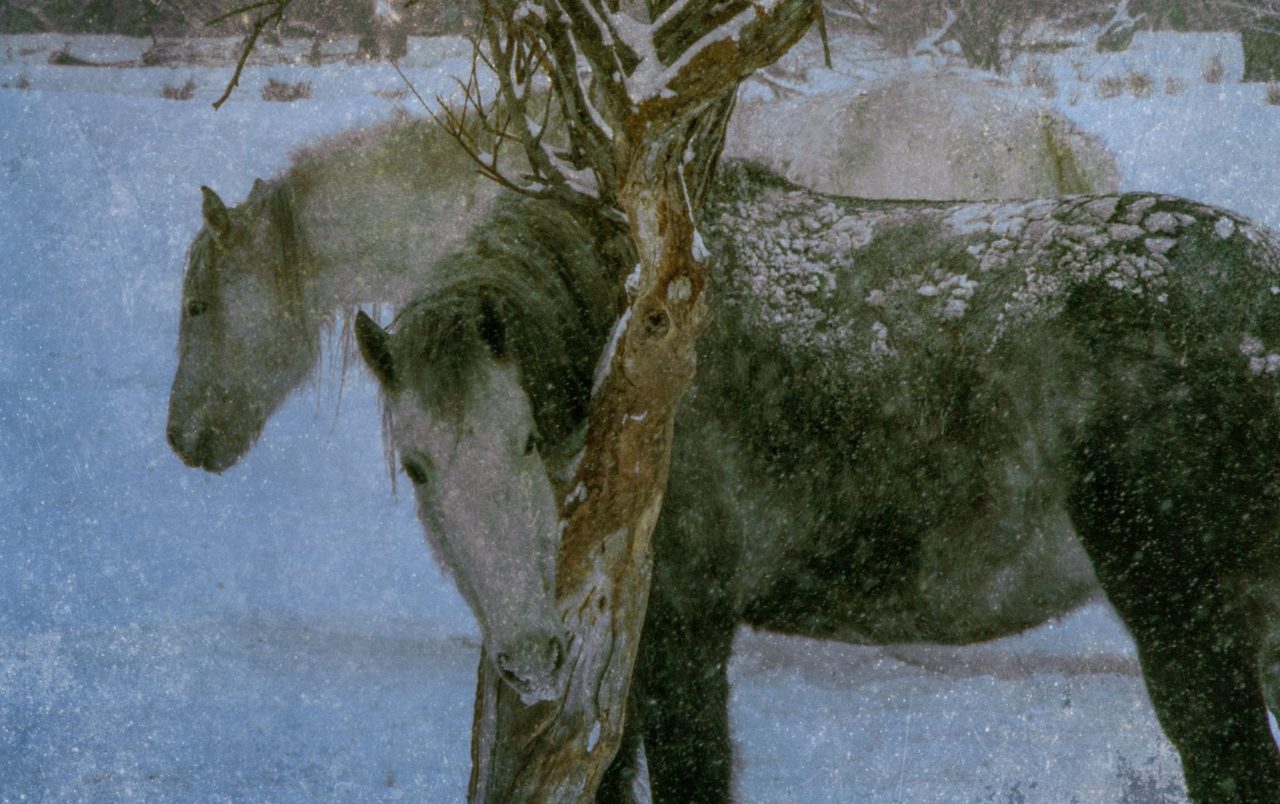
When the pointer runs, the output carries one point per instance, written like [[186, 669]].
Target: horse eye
[[415, 471], [534, 443], [195, 308]]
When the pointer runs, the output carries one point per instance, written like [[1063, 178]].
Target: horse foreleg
[[680, 694]]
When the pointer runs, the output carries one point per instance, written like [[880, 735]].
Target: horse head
[[467, 437], [244, 340]]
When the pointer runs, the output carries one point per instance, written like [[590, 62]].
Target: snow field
[[279, 632]]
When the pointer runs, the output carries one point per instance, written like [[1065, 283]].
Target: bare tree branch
[[278, 7], [820, 15], [1261, 15], [857, 11]]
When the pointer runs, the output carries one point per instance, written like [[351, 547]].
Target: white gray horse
[[911, 422], [361, 218], [358, 220]]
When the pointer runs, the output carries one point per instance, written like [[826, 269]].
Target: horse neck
[[378, 216]]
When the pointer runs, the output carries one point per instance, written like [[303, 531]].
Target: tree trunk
[[559, 750], [653, 150]]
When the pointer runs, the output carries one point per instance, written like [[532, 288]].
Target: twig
[[410, 85], [820, 15], [863, 14], [251, 39]]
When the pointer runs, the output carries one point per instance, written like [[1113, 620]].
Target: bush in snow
[[1273, 94], [1214, 71], [1140, 84], [284, 91], [1112, 86], [182, 93], [1173, 86], [65, 58]]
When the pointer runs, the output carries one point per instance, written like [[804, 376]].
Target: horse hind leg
[[1177, 539], [1209, 700], [1200, 659]]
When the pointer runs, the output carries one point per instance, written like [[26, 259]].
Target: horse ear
[[375, 348], [493, 330], [215, 213]]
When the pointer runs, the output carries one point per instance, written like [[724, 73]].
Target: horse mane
[[295, 263], [356, 140], [548, 277], [290, 258], [401, 145]]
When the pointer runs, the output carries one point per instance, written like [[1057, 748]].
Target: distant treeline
[[172, 18], [988, 32], [903, 20], [991, 32]]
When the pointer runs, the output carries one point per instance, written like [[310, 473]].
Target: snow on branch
[[1121, 15], [928, 44], [695, 62], [853, 10], [618, 80]]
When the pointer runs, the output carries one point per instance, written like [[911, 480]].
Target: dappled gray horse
[[911, 420], [938, 421], [914, 421]]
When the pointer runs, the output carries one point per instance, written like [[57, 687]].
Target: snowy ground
[[280, 632]]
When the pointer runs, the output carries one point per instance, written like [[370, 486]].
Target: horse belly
[[975, 583], [979, 571], [985, 580]]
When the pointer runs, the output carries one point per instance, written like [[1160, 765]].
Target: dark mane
[[547, 277]]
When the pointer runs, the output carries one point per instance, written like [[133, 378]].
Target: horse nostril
[[531, 661], [531, 666], [557, 654]]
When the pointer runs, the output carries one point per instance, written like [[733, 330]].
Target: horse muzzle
[[202, 448]]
